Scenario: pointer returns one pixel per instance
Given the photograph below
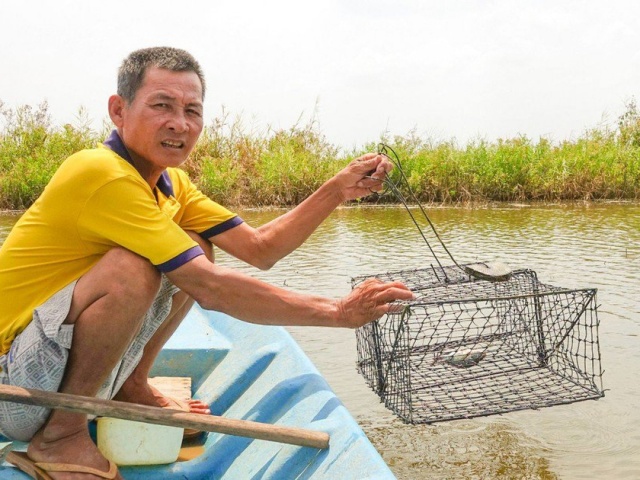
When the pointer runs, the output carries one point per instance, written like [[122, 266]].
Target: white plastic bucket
[[126, 442]]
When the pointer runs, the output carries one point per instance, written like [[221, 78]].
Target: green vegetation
[[31, 149], [282, 167]]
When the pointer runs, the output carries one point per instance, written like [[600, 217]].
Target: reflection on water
[[590, 245], [468, 450]]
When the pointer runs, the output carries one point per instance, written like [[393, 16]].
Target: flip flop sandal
[[38, 470]]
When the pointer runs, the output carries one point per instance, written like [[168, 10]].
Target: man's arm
[[264, 246], [223, 289]]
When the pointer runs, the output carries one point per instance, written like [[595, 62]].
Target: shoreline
[[442, 205]]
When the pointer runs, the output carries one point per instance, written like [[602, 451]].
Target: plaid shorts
[[38, 357]]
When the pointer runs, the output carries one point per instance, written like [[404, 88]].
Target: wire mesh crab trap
[[479, 339], [466, 348]]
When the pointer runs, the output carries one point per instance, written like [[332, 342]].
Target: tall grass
[[237, 165], [31, 149], [276, 167]]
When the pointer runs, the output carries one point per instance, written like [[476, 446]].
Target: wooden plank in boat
[[174, 387]]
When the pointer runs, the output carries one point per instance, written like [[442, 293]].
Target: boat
[[258, 373]]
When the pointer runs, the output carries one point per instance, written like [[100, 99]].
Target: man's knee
[[126, 271], [120, 276]]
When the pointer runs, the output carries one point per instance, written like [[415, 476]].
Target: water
[[573, 246]]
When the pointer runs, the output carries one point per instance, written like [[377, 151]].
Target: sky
[[444, 70]]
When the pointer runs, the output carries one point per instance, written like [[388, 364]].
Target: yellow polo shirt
[[96, 201]]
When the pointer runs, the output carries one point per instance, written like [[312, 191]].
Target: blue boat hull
[[257, 373]]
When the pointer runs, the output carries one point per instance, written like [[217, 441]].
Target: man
[[100, 271]]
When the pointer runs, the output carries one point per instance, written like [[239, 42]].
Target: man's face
[[162, 124]]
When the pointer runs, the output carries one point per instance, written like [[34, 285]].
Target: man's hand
[[363, 176], [369, 301]]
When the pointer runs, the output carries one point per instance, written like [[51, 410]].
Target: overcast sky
[[448, 69]]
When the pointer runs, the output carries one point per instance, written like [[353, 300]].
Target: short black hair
[[133, 68]]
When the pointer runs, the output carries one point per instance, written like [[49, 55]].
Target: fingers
[[366, 157], [383, 167], [373, 169], [388, 297], [382, 294], [370, 185], [393, 293], [363, 176], [379, 284], [373, 164]]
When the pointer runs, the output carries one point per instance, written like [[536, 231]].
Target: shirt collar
[[115, 143]]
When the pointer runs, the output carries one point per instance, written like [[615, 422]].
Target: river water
[[568, 245]]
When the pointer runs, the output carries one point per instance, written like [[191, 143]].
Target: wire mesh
[[465, 347]]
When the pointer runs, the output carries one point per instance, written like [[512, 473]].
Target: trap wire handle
[[400, 197], [495, 272], [384, 150]]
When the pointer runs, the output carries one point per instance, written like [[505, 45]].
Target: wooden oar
[[165, 416]]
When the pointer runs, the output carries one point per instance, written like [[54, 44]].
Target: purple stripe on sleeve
[[181, 259], [221, 227]]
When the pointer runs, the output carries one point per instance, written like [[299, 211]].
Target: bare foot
[[145, 394], [74, 448], [194, 406]]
